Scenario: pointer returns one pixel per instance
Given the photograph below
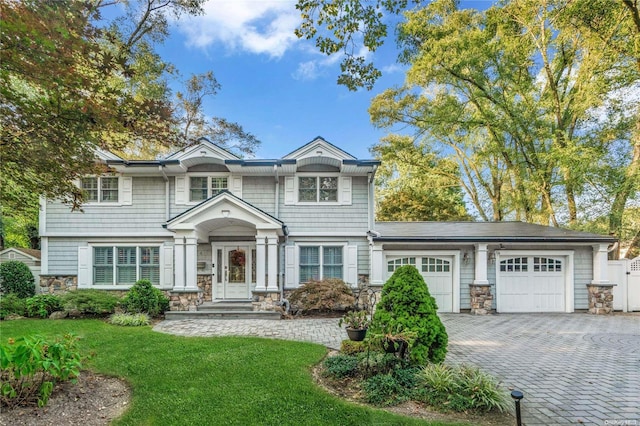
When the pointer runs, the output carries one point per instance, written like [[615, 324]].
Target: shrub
[[350, 347], [42, 305], [31, 365], [143, 297], [460, 388], [11, 304], [385, 389], [16, 277], [129, 320], [90, 302], [406, 307], [340, 366], [326, 295]]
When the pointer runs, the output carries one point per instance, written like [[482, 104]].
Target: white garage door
[[437, 273], [531, 284]]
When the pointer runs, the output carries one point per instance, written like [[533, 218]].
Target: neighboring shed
[[30, 257]]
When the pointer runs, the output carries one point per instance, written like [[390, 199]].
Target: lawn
[[216, 380]]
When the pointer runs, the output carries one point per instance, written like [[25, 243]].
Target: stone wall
[[481, 299], [58, 284], [204, 284], [264, 301], [600, 298]]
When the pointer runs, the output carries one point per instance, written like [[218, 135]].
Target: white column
[[377, 265], [272, 267], [481, 264], [191, 263], [600, 264], [178, 251], [260, 262]]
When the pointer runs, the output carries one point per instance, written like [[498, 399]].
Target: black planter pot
[[397, 346], [357, 334]]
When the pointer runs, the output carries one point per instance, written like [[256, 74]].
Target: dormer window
[[318, 189], [100, 189], [204, 187]]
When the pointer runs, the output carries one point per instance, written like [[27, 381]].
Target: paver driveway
[[572, 368]]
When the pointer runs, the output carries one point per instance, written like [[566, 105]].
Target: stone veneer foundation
[[481, 299], [600, 298]]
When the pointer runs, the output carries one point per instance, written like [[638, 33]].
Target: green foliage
[[129, 320], [350, 347], [391, 388], [30, 366], [460, 388], [341, 365], [16, 277], [407, 307], [11, 304], [143, 297], [326, 295], [42, 305], [90, 302], [355, 319]]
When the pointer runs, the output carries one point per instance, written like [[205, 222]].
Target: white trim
[[208, 175], [344, 183], [230, 245], [569, 285], [115, 286], [454, 255], [321, 244], [328, 234], [42, 215], [99, 203], [44, 256]]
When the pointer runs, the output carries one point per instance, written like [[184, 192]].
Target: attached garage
[[534, 282], [438, 272]]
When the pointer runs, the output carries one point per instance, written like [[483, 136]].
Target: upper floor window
[[203, 187], [318, 188], [100, 189]]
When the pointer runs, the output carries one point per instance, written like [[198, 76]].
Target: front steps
[[223, 310]]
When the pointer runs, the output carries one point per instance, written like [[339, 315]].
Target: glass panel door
[[237, 272]]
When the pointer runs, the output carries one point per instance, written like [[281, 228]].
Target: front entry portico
[[244, 247]]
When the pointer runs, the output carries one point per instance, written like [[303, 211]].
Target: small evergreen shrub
[[129, 320], [143, 297], [460, 388], [340, 366], [406, 307], [350, 347], [16, 277], [42, 305], [379, 363], [326, 295], [386, 389], [11, 304], [90, 302], [30, 366]]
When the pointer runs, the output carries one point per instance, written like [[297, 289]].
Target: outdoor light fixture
[[517, 396], [465, 258], [492, 257]]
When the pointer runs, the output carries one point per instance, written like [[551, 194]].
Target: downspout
[[166, 191], [277, 196], [371, 195]]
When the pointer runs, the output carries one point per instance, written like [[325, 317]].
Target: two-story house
[[205, 225]]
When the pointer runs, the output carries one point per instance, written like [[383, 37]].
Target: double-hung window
[[203, 187], [320, 262], [100, 189], [318, 189], [125, 265]]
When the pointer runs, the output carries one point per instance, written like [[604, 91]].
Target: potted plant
[[357, 323]]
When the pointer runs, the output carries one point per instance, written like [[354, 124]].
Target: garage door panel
[[532, 284]]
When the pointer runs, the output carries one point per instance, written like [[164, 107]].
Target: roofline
[[259, 162], [521, 239], [322, 139], [143, 163]]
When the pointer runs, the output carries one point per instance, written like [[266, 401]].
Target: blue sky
[[276, 86]]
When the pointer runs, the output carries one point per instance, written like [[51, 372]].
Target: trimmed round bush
[[42, 305], [16, 277], [406, 307], [143, 297], [90, 302]]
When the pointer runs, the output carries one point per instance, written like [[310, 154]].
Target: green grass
[[217, 380]]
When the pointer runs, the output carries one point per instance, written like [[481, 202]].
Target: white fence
[[625, 274]]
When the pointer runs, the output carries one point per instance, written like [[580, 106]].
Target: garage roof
[[482, 232]]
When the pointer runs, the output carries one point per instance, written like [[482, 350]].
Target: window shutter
[[345, 190], [236, 186], [166, 279], [290, 266], [126, 190], [181, 193], [289, 190], [352, 266], [83, 267]]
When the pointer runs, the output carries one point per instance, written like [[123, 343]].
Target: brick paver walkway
[[572, 368]]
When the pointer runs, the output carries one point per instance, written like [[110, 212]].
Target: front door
[[234, 271]]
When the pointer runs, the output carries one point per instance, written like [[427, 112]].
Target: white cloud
[[261, 27], [393, 68]]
